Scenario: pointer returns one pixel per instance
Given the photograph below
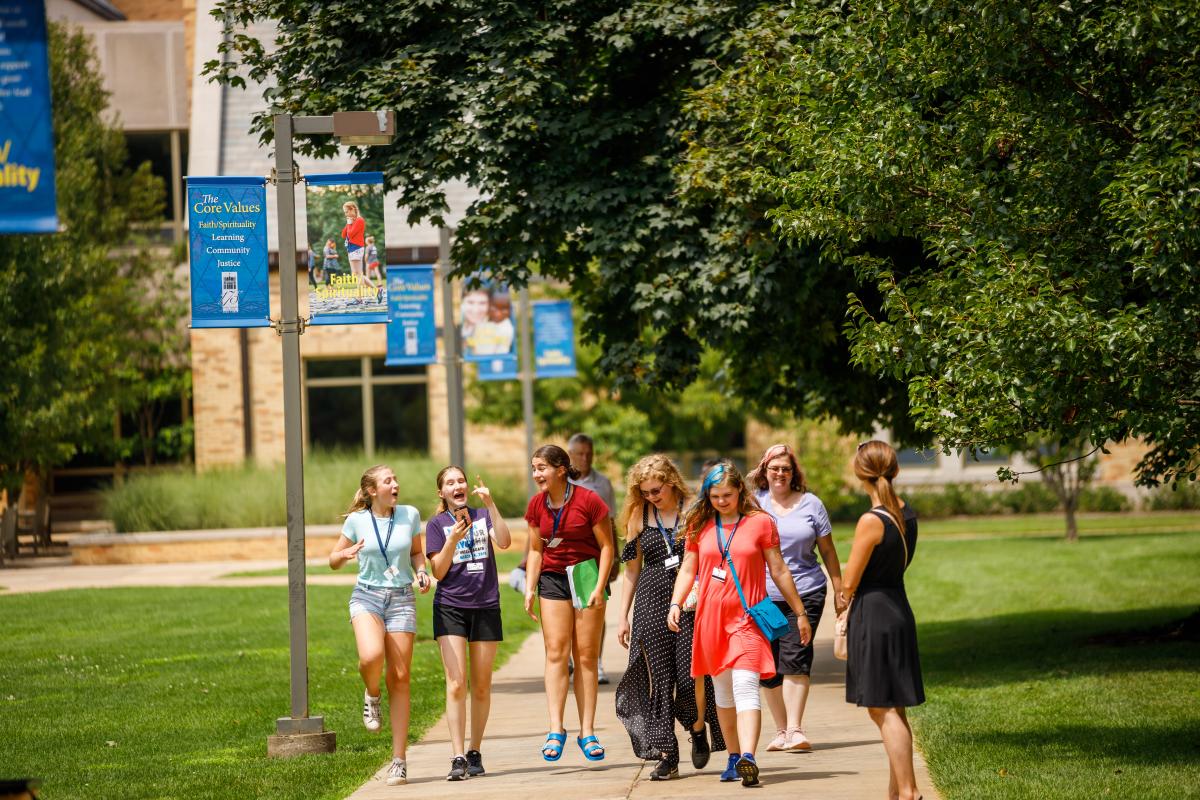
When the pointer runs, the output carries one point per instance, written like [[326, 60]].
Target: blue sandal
[[554, 744], [590, 747]]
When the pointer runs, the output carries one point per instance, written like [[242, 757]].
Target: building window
[[917, 457], [360, 403]]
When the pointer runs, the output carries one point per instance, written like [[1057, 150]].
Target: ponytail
[[887, 496], [555, 456], [368, 481], [875, 463]]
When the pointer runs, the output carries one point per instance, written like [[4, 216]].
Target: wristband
[[675, 605]]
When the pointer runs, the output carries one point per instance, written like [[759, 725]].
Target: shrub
[[252, 496], [1181, 497], [844, 506], [1032, 497], [1103, 498]]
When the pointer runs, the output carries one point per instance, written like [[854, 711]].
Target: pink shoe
[[780, 742], [797, 742]]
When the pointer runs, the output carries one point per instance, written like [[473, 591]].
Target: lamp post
[[300, 733]]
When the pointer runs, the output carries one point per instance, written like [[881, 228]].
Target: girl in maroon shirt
[[568, 525]]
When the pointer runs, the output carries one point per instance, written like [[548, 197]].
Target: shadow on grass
[[1012, 648], [1145, 744]]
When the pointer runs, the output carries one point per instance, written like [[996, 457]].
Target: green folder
[[583, 578]]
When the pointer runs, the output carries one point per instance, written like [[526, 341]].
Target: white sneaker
[[371, 713], [397, 774], [601, 675], [797, 742]]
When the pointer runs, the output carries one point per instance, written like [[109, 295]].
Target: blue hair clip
[[713, 477]]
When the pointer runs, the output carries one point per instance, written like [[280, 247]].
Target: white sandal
[[779, 743]]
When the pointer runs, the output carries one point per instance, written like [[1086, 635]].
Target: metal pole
[[527, 378], [450, 343], [293, 732]]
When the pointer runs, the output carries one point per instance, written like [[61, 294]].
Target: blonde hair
[[442, 506], [351, 204], [724, 473], [875, 463], [368, 481], [652, 467]]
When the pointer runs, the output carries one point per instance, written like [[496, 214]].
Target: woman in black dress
[[883, 668], [658, 687]]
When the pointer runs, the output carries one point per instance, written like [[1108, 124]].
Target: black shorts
[[473, 624], [554, 586], [791, 657]]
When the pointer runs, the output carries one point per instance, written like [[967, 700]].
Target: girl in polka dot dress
[[658, 687]]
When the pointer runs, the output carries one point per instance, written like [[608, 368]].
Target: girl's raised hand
[[351, 552], [485, 494]]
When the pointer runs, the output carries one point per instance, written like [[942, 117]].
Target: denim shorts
[[396, 607]]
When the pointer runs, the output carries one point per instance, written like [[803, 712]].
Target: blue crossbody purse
[[766, 615]]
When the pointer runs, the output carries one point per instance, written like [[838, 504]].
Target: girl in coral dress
[[726, 533]]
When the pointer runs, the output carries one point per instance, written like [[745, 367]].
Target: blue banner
[[496, 368], [346, 248], [27, 200], [227, 243], [411, 334], [553, 339]]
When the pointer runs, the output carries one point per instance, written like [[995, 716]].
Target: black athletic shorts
[[474, 624], [554, 586], [791, 657]]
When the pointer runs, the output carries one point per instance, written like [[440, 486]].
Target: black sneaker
[[458, 769], [700, 748], [667, 768], [474, 763]]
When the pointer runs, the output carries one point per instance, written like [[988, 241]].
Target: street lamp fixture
[[300, 734]]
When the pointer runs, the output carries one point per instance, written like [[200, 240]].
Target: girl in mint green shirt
[[385, 540]]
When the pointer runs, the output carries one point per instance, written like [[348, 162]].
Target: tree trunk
[[1072, 527]]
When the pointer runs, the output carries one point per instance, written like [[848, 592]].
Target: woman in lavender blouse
[[804, 528]]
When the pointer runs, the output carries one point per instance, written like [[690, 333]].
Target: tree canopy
[[566, 116], [1005, 192], [1041, 157], [82, 322]]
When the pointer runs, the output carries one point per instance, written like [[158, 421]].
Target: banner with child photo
[[488, 335], [346, 251]]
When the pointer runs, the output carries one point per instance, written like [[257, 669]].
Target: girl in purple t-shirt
[[466, 607]]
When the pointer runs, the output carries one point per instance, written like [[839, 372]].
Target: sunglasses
[[655, 492], [780, 470]]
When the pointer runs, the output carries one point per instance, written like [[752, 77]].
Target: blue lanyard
[[381, 542], [724, 549], [662, 532], [557, 513]]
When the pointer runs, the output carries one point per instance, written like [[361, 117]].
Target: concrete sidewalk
[[847, 761], [55, 574]]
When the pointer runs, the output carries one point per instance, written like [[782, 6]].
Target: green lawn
[[166, 692], [1021, 704], [505, 561], [1041, 526]]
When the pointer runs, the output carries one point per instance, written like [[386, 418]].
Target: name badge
[[555, 542], [718, 574], [672, 562], [391, 572], [474, 566]]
